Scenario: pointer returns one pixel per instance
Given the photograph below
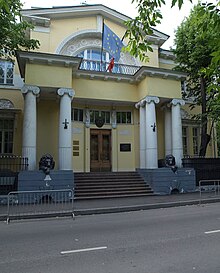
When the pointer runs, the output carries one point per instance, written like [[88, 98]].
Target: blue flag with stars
[[111, 42]]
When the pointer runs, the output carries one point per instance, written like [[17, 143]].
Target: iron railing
[[103, 66], [13, 163], [32, 204]]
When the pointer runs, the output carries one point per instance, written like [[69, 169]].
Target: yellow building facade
[[62, 100]]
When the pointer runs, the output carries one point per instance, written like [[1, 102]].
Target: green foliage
[[197, 43], [13, 31], [149, 15]]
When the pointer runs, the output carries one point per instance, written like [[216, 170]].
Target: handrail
[[93, 65]]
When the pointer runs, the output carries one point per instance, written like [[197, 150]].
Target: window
[[95, 114], [185, 142], [6, 72], [77, 115], [6, 136], [92, 60], [124, 117], [195, 140]]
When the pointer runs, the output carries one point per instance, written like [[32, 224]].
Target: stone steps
[[109, 185]]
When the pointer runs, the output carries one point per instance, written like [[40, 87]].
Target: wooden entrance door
[[100, 150]]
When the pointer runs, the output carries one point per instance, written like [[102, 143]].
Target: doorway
[[100, 150]]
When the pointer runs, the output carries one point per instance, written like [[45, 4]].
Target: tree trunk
[[205, 137]]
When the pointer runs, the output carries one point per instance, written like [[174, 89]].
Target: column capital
[[30, 88], [140, 104], [69, 91], [178, 101], [150, 99]]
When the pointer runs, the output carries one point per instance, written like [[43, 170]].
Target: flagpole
[[102, 44]]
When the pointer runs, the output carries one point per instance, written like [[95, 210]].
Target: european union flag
[[111, 42]]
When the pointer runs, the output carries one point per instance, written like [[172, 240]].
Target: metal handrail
[[99, 66]]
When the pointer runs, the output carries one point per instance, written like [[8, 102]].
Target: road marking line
[[82, 250], [212, 231]]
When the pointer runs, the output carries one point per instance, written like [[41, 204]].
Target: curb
[[143, 207], [93, 211]]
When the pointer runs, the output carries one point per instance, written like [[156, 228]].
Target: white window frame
[[5, 66], [128, 123], [195, 140]]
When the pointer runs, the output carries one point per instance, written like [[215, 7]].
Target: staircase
[[110, 184]]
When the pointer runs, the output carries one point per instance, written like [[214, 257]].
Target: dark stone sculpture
[[46, 163], [171, 162]]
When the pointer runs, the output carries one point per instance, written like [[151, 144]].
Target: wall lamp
[[65, 124], [154, 127]]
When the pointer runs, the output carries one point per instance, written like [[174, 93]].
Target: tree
[[196, 40], [149, 15], [12, 30]]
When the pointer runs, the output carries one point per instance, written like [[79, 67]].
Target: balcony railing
[[103, 66]]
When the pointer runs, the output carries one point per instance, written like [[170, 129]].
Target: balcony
[[91, 65]]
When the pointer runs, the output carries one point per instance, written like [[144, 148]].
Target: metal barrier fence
[[209, 186], [26, 204]]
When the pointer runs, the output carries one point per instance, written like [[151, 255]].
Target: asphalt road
[[172, 240]]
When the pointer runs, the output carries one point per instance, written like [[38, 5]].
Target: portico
[[148, 131]]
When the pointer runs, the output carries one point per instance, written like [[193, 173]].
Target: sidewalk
[[125, 204], [110, 205]]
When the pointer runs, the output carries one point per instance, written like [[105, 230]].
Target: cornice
[[159, 73], [25, 57], [86, 11], [76, 11], [47, 59]]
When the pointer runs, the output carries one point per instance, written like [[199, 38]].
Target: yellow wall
[[164, 88], [15, 96], [60, 29], [48, 76], [78, 135], [153, 57], [108, 90], [44, 39], [47, 129], [126, 160]]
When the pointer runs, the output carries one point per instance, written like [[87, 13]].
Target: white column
[[142, 132], [177, 141], [168, 130], [151, 133], [65, 128], [30, 124]]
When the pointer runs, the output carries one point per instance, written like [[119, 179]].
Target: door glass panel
[[6, 135], [105, 148], [123, 117], [94, 147]]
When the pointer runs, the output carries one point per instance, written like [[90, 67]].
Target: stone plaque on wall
[[125, 147]]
